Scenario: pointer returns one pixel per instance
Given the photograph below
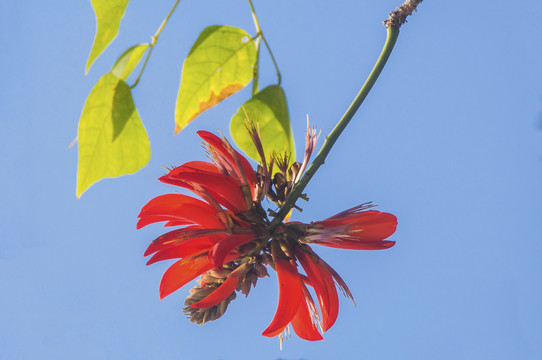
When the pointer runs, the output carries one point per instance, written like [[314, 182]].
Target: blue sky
[[449, 140]]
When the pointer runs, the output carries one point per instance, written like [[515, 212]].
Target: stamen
[[255, 135], [311, 139]]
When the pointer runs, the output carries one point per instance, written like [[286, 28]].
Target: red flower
[[226, 238], [350, 229], [216, 228], [355, 229]]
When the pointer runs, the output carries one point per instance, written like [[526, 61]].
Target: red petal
[[374, 225], [247, 168], [223, 247], [195, 167], [170, 238], [322, 282], [198, 165], [303, 323], [183, 271], [219, 295], [179, 207], [290, 294], [340, 282], [181, 183], [185, 249], [358, 245], [146, 220], [176, 237], [223, 185], [218, 145], [176, 223]]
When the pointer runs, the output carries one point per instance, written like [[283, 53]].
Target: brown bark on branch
[[399, 15]]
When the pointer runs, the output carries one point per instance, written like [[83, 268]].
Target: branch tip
[[399, 15]]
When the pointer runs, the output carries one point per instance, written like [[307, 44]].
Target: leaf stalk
[[259, 32], [153, 42]]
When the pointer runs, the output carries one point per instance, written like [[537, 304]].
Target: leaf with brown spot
[[219, 64], [215, 99]]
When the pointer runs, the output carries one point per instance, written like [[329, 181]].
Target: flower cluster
[[227, 240]]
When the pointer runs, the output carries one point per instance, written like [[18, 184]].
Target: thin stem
[[153, 42], [254, 17], [260, 32], [392, 34], [272, 58], [256, 76], [143, 67]]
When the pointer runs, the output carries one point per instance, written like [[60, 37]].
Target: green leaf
[[108, 16], [127, 62], [269, 111], [112, 139], [219, 64]]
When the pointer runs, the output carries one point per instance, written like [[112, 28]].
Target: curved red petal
[[290, 294], [183, 271], [219, 295], [178, 207], [322, 282], [223, 247], [194, 167], [185, 185], [223, 185], [340, 282], [358, 245], [197, 166], [333, 301], [218, 145], [166, 240], [376, 226], [147, 220], [190, 248], [172, 223], [175, 237], [303, 323], [368, 225], [249, 172]]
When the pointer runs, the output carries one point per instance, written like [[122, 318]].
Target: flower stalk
[[392, 34]]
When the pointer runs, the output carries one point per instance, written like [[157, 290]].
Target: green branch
[[392, 34]]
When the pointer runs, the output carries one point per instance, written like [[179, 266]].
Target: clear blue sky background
[[449, 140]]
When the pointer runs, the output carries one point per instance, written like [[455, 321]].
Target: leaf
[[219, 64], [108, 16], [269, 111], [112, 139], [127, 62]]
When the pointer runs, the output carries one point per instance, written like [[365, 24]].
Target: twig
[[398, 16]]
